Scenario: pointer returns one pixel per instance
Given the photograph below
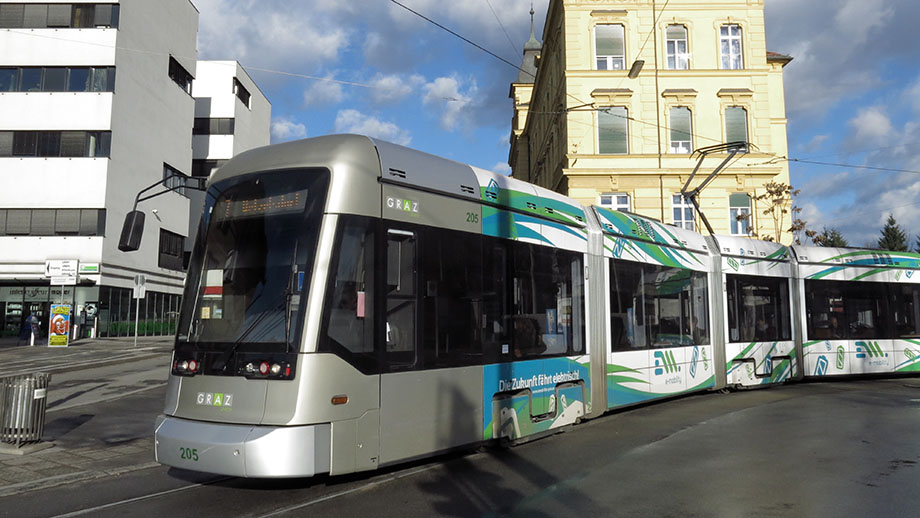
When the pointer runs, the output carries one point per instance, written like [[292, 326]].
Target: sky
[[372, 67]]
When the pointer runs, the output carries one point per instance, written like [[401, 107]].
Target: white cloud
[[269, 33], [353, 121], [394, 88], [815, 143], [283, 129], [839, 48], [323, 93], [870, 127], [445, 95], [913, 95], [502, 168]]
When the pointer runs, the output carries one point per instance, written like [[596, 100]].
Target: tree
[[917, 249], [830, 237], [893, 236], [778, 199]]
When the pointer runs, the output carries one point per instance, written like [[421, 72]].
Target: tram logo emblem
[[694, 361], [733, 263], [403, 205], [870, 350], [909, 274], [821, 368], [492, 190], [618, 246], [216, 399], [665, 362], [841, 356]]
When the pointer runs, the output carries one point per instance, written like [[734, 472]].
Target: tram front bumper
[[243, 450]]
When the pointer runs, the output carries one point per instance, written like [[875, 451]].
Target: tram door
[[420, 409]]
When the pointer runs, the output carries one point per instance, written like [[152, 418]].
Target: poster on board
[[59, 325]]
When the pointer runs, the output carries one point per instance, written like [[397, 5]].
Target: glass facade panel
[[612, 130], [30, 79], [676, 48], [681, 134], [55, 80], [9, 79], [609, 47], [736, 124]]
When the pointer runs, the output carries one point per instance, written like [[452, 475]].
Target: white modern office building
[[231, 116], [95, 105]]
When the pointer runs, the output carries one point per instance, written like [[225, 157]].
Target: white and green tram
[[352, 304]]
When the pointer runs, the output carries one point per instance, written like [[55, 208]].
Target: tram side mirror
[[132, 231]]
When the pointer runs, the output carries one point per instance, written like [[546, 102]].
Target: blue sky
[[852, 90]]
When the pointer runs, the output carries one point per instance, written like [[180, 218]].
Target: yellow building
[[583, 127]]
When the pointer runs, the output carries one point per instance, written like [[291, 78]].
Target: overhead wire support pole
[[733, 148]]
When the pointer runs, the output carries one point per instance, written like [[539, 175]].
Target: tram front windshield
[[251, 269]]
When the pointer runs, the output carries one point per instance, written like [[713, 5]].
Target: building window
[[676, 45], [731, 47], [615, 201], [58, 16], [205, 126], [180, 75], [174, 178], [241, 92], [612, 130], [52, 144], [683, 212], [52, 222], [609, 47], [172, 246], [681, 134], [57, 79], [204, 168], [736, 125], [740, 213]]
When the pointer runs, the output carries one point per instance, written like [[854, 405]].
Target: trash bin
[[23, 400]]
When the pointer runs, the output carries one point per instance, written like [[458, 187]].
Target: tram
[[352, 304]]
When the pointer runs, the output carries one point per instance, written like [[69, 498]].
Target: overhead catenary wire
[[500, 24]]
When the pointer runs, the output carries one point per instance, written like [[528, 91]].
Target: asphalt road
[[821, 449]]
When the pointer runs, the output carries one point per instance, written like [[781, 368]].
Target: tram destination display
[[229, 208]]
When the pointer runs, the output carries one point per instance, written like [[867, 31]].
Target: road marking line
[[392, 478], [137, 499], [106, 400]]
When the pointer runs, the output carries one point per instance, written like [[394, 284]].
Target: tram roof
[[857, 257], [633, 226], [740, 246]]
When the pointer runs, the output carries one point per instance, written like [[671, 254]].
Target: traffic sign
[[61, 268], [64, 280], [140, 286]]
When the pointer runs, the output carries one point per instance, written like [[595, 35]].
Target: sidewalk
[[109, 436]]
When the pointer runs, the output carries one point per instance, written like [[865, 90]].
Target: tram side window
[[626, 307], [856, 310], [451, 280], [905, 310], [657, 306], [824, 310], [676, 304], [548, 302], [866, 304], [400, 321], [496, 304], [349, 313], [758, 308]]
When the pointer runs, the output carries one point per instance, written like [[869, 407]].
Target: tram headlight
[[183, 366], [264, 368], [276, 369]]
